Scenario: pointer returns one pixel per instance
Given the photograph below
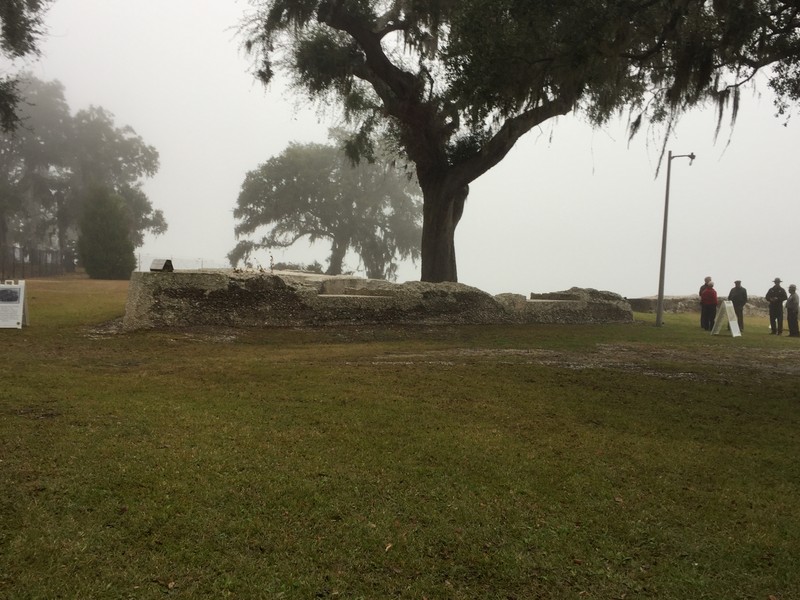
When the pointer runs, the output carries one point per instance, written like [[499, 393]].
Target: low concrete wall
[[289, 298]]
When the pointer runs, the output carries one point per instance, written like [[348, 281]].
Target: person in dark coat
[[792, 308], [776, 296], [706, 281], [738, 297], [708, 306]]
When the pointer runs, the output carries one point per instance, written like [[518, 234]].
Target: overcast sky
[[570, 206]]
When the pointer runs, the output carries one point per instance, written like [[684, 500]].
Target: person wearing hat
[[792, 308], [738, 297], [776, 296]]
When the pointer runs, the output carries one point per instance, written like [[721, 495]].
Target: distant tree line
[[56, 168]]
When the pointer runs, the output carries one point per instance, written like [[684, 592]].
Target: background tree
[[10, 195], [458, 82], [103, 154], [314, 191], [32, 170], [141, 216], [20, 28], [51, 163], [104, 246]]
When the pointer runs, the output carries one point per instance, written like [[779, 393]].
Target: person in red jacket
[[706, 281], [708, 306]]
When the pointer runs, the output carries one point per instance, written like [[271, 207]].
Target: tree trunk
[[442, 211], [338, 252], [62, 223], [373, 270], [3, 232]]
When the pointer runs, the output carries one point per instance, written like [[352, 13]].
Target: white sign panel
[[726, 316], [12, 304]]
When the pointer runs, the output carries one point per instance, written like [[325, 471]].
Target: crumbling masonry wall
[[289, 299]]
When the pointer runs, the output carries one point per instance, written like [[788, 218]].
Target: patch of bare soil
[[664, 363], [106, 329], [203, 334]]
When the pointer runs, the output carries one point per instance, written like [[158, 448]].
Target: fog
[[570, 206]]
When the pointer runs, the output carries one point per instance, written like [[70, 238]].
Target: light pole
[[660, 305]]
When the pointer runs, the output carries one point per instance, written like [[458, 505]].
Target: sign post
[[13, 305], [726, 315]]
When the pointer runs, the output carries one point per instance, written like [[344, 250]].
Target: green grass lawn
[[607, 462]]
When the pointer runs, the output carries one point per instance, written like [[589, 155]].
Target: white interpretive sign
[[726, 316], [12, 305]]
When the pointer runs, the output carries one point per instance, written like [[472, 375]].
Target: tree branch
[[402, 84], [501, 143]]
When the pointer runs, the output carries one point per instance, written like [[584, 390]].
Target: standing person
[[706, 281], [708, 306], [792, 308], [776, 296], [738, 296]]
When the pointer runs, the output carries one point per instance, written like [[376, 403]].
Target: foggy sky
[[570, 206]]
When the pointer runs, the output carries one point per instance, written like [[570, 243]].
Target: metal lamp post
[[660, 305]]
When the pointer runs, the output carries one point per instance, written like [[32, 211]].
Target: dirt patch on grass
[[657, 361], [106, 329], [662, 362]]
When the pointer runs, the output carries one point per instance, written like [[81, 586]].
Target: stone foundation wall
[[288, 299]]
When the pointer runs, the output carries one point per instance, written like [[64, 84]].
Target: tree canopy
[[20, 29], [457, 82], [313, 191], [49, 166]]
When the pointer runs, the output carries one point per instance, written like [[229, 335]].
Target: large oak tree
[[313, 191], [457, 82]]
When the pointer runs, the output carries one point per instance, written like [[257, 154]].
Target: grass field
[[607, 462]]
